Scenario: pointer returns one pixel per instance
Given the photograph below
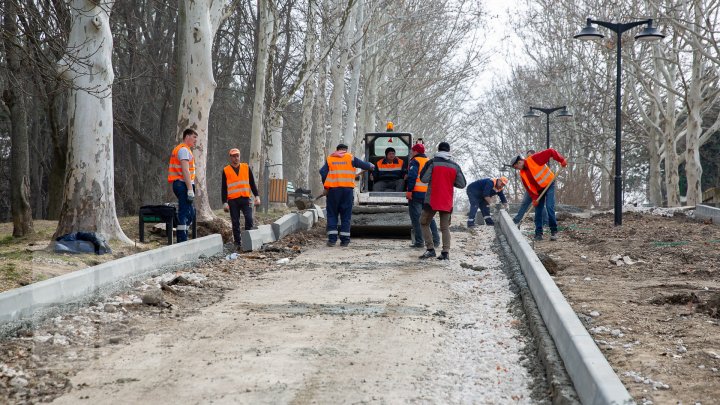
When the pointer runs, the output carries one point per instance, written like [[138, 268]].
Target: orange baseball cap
[[234, 151]]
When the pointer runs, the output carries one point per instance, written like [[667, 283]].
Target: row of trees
[[670, 99], [96, 92]]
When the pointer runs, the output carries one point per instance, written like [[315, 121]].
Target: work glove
[[505, 206], [489, 221], [191, 195], [408, 195], [535, 203], [564, 163], [257, 201], [226, 207]]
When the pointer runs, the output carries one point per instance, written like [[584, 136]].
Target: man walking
[[389, 174], [238, 182], [416, 195], [441, 174], [181, 175], [480, 193], [338, 176], [537, 177]]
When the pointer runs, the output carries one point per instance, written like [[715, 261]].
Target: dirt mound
[[217, 225], [654, 283]]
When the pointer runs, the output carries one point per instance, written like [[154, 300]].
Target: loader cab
[[375, 145]]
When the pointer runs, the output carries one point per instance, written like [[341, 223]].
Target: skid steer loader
[[382, 213]]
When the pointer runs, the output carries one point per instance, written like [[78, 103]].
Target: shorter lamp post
[[590, 33], [533, 114]]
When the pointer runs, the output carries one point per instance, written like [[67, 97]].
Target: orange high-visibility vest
[[238, 185], [542, 176], [389, 167], [175, 169], [420, 187], [341, 172]]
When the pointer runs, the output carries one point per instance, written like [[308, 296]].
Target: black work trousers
[[238, 205]]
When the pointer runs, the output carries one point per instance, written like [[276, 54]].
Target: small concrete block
[[706, 212], [306, 220], [255, 238], [314, 214], [285, 226], [320, 211]]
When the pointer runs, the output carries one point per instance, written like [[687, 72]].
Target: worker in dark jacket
[[416, 195], [238, 187], [538, 178], [389, 174], [338, 176], [480, 193], [440, 174]]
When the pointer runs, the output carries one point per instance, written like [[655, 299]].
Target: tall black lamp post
[[533, 114], [590, 33]]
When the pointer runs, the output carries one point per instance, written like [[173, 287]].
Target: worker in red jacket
[[441, 175], [537, 177]]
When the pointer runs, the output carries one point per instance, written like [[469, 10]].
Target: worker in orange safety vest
[[181, 175], [338, 176], [415, 194], [536, 176], [238, 187]]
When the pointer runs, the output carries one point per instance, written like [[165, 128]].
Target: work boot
[[417, 245], [489, 221], [470, 224], [331, 243], [553, 236], [444, 256], [428, 254], [538, 237], [344, 243]]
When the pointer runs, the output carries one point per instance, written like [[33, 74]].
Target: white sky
[[501, 40]]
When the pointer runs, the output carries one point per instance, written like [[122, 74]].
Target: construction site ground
[[649, 293], [297, 321]]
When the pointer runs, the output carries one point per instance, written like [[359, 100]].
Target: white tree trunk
[[694, 100], [339, 66], [352, 96], [302, 179], [319, 141], [693, 168], [265, 25], [89, 195], [368, 120], [203, 18], [274, 144]]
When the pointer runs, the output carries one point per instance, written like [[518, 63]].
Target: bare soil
[[656, 315], [31, 259]]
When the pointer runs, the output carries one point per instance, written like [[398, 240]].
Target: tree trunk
[[202, 20], [319, 151], [672, 178], [339, 65], [89, 195], [352, 96], [302, 180], [19, 152], [274, 144], [694, 100], [264, 31]]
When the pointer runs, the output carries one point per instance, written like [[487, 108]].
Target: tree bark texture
[[19, 152], [354, 88], [202, 20], [89, 194], [264, 31]]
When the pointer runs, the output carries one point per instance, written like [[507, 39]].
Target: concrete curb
[[254, 238], [594, 380], [28, 302], [707, 212], [285, 225]]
